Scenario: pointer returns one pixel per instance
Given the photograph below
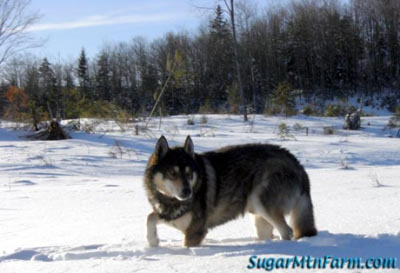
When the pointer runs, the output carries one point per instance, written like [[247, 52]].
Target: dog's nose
[[186, 192]]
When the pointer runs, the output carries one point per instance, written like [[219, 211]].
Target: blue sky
[[67, 26]]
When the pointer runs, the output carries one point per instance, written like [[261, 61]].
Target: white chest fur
[[181, 223]]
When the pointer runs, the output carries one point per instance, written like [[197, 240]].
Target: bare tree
[[15, 21], [14, 70], [231, 11]]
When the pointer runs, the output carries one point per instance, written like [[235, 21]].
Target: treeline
[[320, 48]]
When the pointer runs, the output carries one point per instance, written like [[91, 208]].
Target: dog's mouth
[[181, 195], [181, 198], [185, 195]]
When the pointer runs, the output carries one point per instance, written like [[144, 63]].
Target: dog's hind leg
[[263, 228], [152, 237], [278, 221], [302, 218], [273, 216]]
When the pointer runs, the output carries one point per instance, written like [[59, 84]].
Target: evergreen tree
[[31, 82], [220, 63], [283, 100], [103, 81], [83, 73], [68, 79], [48, 91]]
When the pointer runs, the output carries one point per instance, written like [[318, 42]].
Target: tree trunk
[[237, 60]]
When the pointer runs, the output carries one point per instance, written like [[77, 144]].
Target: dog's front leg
[[152, 237], [195, 234]]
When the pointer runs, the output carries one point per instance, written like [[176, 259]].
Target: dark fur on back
[[246, 165]]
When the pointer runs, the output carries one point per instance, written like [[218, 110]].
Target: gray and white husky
[[195, 192]]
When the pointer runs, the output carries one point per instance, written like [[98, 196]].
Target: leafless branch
[[15, 21], [209, 9], [228, 7], [202, 8]]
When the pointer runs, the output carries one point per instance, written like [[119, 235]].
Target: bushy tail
[[302, 218]]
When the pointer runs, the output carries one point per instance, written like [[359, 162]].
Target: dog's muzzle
[[185, 194]]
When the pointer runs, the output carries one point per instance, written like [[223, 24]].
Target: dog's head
[[173, 171]]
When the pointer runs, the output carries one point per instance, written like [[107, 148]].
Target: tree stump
[[56, 132], [353, 120]]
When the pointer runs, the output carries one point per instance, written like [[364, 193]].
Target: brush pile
[[53, 131]]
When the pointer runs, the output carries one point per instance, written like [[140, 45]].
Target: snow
[[79, 205]]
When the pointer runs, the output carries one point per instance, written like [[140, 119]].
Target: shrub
[[335, 110], [394, 121], [37, 115], [18, 104], [298, 126], [272, 110], [190, 121], [74, 103], [339, 110], [117, 151], [102, 109], [283, 100], [396, 114], [328, 130], [284, 131], [206, 108], [203, 119], [310, 110]]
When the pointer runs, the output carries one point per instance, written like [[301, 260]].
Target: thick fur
[[262, 179]]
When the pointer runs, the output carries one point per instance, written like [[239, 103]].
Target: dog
[[196, 192]]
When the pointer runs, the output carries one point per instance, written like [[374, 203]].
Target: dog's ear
[[189, 147], [161, 147]]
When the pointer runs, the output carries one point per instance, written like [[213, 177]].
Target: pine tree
[[68, 79], [47, 78], [103, 81], [283, 99], [48, 91], [220, 65], [219, 26], [83, 73], [31, 82]]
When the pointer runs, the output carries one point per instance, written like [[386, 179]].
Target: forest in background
[[318, 50]]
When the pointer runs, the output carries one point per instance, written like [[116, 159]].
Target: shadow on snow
[[326, 243]]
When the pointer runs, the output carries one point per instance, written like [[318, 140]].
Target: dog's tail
[[302, 214]]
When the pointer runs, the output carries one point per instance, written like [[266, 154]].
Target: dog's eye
[[172, 173], [189, 174]]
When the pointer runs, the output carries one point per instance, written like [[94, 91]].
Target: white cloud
[[103, 20]]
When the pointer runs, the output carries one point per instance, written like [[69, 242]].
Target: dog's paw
[[153, 241], [287, 235]]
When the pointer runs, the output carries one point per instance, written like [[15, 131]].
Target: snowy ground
[[71, 206]]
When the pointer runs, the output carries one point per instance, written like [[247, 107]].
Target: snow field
[[79, 206]]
